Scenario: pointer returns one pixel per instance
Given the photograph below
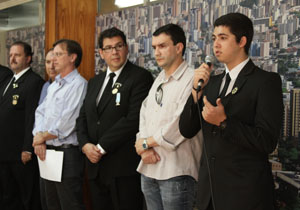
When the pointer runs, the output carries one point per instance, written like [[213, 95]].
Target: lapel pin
[[118, 99], [15, 85], [117, 85], [114, 91], [234, 91], [15, 99]]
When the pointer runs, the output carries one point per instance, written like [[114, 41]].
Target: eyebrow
[[112, 45], [163, 43], [220, 34]]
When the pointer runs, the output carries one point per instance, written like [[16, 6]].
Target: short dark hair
[[27, 49], [239, 25], [51, 49], [175, 32], [72, 47], [110, 33]]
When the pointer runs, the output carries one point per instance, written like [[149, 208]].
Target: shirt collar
[[118, 72], [69, 78], [21, 73], [237, 69], [177, 73]]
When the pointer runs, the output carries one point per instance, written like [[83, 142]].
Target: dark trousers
[[43, 194], [67, 194], [122, 193], [210, 206], [19, 184]]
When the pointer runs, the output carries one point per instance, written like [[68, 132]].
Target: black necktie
[[222, 94], [107, 89]]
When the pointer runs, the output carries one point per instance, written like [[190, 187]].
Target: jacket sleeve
[[81, 122], [189, 123], [32, 99]]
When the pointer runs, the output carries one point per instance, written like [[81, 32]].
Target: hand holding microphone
[[202, 74]]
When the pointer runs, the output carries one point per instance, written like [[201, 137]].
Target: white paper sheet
[[51, 167]]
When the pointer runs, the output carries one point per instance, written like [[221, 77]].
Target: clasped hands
[[149, 156], [39, 145], [92, 152]]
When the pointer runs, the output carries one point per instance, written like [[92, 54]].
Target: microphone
[[209, 61]]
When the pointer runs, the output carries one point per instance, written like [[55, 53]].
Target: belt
[[63, 146]]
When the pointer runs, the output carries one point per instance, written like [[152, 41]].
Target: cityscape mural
[[275, 48]]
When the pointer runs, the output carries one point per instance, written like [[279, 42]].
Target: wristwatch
[[145, 144], [223, 125]]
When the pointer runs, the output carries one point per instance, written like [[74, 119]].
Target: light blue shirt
[[58, 112], [44, 91]]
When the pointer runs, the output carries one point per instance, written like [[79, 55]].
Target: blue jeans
[[176, 193]]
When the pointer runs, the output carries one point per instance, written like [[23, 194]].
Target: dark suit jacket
[[17, 120], [114, 127], [238, 155], [4, 73]]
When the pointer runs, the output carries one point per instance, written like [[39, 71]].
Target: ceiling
[[20, 13]]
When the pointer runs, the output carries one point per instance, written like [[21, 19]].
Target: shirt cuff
[[101, 149]]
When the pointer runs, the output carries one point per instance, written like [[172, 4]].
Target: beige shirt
[[179, 156]]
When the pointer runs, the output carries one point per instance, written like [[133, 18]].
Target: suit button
[[98, 122], [214, 131]]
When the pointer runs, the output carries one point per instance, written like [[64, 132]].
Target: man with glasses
[[55, 120], [108, 123], [18, 100], [170, 162]]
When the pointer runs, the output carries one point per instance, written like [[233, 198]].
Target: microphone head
[[209, 60]]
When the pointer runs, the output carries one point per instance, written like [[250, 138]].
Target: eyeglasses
[[118, 47], [59, 54], [159, 94]]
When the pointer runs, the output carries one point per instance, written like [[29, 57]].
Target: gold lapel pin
[[117, 85], [15, 99], [114, 91], [234, 91], [15, 85]]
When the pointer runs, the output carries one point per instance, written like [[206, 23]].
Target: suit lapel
[[240, 81], [121, 79], [213, 91], [96, 89], [18, 84]]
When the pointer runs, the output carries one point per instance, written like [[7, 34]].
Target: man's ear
[[73, 57], [28, 58], [243, 42], [179, 48], [101, 53]]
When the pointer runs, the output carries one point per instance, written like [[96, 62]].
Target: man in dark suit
[[107, 125], [241, 121], [4, 74], [18, 101]]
